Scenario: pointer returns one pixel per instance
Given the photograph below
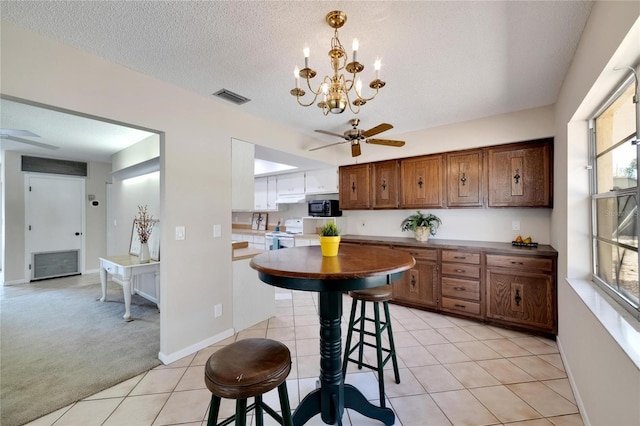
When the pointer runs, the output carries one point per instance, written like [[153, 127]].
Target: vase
[[422, 233], [329, 245], [144, 256]]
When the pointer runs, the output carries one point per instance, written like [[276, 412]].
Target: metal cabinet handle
[[420, 182], [384, 184], [517, 176], [460, 271], [459, 306], [518, 298], [463, 179], [517, 263], [460, 257], [459, 288]]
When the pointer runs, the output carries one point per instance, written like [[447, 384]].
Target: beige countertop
[[245, 253], [434, 243]]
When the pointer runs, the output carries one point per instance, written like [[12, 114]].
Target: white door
[[54, 216]]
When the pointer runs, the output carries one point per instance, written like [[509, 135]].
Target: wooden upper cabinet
[[385, 182], [355, 187], [422, 182], [520, 175], [465, 183]]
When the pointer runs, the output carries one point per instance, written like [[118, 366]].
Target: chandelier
[[337, 91]]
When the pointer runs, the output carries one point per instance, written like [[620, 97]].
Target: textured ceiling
[[444, 62]]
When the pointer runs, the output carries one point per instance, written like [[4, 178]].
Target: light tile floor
[[452, 371]]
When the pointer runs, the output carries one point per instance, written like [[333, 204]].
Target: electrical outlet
[[217, 309], [362, 223], [515, 225]]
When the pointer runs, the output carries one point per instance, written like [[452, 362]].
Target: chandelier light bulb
[[355, 45], [358, 86], [325, 88], [306, 52], [377, 64], [296, 74]]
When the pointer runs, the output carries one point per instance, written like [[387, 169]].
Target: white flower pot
[[422, 233]]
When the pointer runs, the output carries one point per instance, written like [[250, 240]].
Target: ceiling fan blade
[[330, 133], [378, 129], [387, 142], [355, 149], [327, 146], [28, 142], [18, 132]]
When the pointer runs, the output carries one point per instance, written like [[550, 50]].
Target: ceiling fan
[[355, 136], [13, 135]]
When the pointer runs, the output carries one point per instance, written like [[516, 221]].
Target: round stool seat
[[376, 294], [247, 368]]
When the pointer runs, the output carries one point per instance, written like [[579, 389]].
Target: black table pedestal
[[334, 396]]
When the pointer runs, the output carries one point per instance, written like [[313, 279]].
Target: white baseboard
[[574, 388], [16, 282], [169, 358]]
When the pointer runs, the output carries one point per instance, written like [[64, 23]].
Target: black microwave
[[324, 208]]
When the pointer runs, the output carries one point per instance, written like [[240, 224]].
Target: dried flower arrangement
[[144, 224]]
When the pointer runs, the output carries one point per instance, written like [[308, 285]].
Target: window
[[615, 198]]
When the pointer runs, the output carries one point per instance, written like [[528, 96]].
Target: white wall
[[606, 381]]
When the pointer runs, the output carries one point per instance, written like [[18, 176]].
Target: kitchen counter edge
[[434, 243]]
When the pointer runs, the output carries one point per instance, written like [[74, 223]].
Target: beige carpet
[[59, 345]]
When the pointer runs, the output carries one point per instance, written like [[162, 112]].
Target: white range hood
[[291, 199]]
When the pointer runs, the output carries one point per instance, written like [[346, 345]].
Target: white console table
[[123, 268]]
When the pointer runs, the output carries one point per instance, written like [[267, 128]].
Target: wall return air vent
[[228, 95]]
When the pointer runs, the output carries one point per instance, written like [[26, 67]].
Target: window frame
[[629, 305]]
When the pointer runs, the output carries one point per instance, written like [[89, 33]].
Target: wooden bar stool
[[246, 369], [376, 295]]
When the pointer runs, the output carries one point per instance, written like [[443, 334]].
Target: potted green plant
[[329, 239], [422, 224]]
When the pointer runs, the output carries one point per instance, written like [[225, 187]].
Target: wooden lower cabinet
[[418, 286], [522, 294], [503, 286]]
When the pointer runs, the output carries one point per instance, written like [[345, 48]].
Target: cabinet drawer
[[520, 262], [461, 270], [425, 254], [461, 305], [463, 289], [460, 257]]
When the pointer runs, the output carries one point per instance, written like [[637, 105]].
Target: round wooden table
[[356, 267]]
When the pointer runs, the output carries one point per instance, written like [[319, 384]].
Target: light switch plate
[[180, 233], [217, 231], [515, 225]]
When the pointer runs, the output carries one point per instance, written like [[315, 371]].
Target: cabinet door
[[354, 187], [464, 179], [520, 175], [417, 286], [422, 182], [261, 191], [324, 181], [291, 183], [525, 298], [385, 184], [272, 194]]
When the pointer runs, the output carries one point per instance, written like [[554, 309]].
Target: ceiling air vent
[[228, 95]]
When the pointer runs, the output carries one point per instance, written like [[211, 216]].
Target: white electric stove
[[274, 240]]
